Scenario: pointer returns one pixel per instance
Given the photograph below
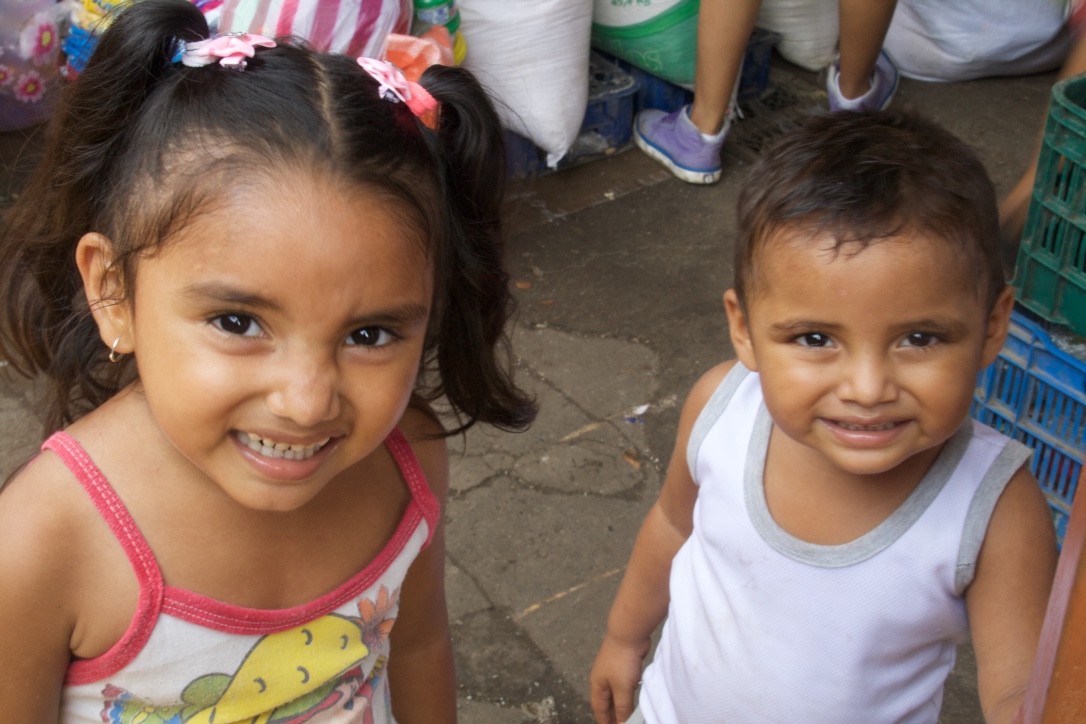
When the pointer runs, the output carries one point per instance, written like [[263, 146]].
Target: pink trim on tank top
[[139, 554], [156, 598]]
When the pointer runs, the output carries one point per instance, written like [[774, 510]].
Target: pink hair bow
[[232, 50], [395, 87]]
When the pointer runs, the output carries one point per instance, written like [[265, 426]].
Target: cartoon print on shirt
[[287, 677]]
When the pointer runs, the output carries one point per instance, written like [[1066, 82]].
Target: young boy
[[833, 524]]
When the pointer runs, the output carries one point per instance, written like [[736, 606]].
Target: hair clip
[[394, 86], [231, 50]]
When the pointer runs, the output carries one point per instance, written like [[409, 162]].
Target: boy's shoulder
[[708, 384]]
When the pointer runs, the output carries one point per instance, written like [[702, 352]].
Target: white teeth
[[883, 426], [280, 450]]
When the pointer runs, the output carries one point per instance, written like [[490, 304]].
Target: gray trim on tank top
[[1012, 457], [712, 411], [1003, 468], [874, 541]]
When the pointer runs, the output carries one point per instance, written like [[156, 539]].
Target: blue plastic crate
[[607, 126], [655, 92], [754, 78], [1036, 393], [609, 114], [523, 159]]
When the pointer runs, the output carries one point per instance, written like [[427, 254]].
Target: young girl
[[244, 267]]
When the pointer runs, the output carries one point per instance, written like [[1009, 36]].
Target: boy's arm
[[1009, 595], [643, 596], [422, 679]]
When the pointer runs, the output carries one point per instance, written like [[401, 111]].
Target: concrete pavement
[[619, 270]]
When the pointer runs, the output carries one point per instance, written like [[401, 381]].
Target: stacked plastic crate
[[1036, 390]]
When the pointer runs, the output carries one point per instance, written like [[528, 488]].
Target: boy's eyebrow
[[795, 325], [218, 293], [931, 324], [939, 325]]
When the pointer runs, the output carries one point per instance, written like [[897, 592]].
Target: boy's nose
[[306, 390], [868, 380]]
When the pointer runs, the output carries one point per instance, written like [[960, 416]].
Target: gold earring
[[113, 355]]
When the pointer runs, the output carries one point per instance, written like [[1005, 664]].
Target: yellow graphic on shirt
[[286, 677], [284, 666]]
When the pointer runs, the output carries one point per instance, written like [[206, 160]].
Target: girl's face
[[279, 334]]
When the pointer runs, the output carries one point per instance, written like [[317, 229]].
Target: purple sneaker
[[883, 86], [673, 140]]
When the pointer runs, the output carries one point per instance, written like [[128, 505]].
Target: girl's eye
[[240, 324], [369, 337], [813, 339], [920, 339]]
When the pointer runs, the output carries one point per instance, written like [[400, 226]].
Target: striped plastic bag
[[353, 27]]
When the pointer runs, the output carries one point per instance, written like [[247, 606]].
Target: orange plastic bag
[[413, 54]]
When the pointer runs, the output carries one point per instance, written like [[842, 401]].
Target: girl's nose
[[306, 391], [868, 380]]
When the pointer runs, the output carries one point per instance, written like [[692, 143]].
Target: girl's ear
[[104, 286], [999, 320], [739, 330]]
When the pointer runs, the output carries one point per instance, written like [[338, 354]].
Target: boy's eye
[[920, 339], [240, 324], [813, 339], [369, 337]]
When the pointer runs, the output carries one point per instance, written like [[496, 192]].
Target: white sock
[[851, 104], [710, 137]]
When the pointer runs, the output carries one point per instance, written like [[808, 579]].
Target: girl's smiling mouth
[[279, 450]]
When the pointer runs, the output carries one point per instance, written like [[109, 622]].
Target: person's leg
[[863, 25], [724, 28], [688, 141], [1013, 208]]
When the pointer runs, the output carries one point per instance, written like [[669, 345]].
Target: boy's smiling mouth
[[866, 428], [279, 450]]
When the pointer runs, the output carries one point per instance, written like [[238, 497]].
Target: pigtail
[[473, 360], [46, 325]]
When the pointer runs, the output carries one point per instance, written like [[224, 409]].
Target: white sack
[[532, 55], [941, 40], [808, 30]]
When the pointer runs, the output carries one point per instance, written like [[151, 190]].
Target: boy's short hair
[[861, 176]]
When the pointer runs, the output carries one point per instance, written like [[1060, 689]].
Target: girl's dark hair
[[139, 143], [862, 176]]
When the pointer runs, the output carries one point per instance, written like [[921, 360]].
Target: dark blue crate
[[655, 92], [754, 78], [610, 109], [1036, 393], [523, 159]]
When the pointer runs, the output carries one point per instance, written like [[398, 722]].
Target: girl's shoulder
[[49, 532], [42, 507]]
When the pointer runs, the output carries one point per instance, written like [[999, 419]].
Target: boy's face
[[867, 357]]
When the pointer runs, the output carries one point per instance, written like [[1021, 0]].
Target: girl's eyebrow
[[401, 314], [224, 294], [218, 293]]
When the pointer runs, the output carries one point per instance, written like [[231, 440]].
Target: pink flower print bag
[[29, 49]]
